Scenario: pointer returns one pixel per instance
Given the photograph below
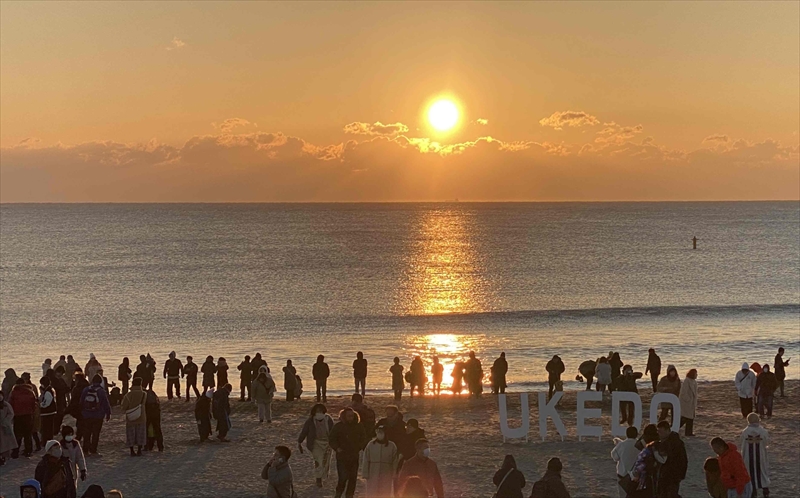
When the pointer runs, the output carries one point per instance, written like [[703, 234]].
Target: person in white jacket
[[688, 399], [379, 464], [754, 453], [625, 454], [72, 449], [745, 381]]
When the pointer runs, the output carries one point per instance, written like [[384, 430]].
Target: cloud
[[378, 128], [229, 124], [482, 121], [176, 44], [716, 139], [558, 120]]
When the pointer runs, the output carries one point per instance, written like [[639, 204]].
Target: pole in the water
[[694, 242]]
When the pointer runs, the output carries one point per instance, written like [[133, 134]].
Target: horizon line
[[449, 201]]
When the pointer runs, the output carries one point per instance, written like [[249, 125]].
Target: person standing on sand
[[290, 381], [745, 382], [133, 405], [437, 371], [54, 473], [365, 414], [394, 426], [222, 371], [263, 391], [754, 453], [190, 372], [407, 444], [9, 381], [152, 407], [79, 384], [670, 384], [143, 370], [627, 383], [625, 453], [780, 369], [508, 479], [72, 450], [70, 369], [151, 365], [221, 408], [379, 465], [173, 370], [616, 369], [23, 403], [46, 366], [256, 364], [124, 374], [688, 399], [398, 384], [732, 470], [603, 373], [458, 377], [202, 414], [279, 474], [672, 459], [320, 372], [360, 373], [47, 409], [653, 367], [245, 379], [421, 465], [766, 385], [644, 470], [315, 432], [550, 486], [499, 370], [347, 439], [209, 370], [554, 367], [474, 375], [8, 441], [418, 377]]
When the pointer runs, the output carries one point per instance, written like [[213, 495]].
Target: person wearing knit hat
[[745, 381], [54, 472], [754, 453]]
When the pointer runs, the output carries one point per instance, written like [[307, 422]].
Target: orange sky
[[152, 102]]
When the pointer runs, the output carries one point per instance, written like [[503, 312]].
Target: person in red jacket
[[732, 470], [23, 402]]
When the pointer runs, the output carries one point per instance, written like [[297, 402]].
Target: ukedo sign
[[585, 415]]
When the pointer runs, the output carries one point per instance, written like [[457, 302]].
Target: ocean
[[297, 280]]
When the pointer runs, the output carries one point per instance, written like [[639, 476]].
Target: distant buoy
[[694, 242]]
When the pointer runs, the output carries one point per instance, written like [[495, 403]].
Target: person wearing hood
[[8, 441], [72, 450], [347, 439], [754, 453], [245, 379], [688, 399], [732, 470], [221, 407], [550, 485], [766, 385], [222, 371], [780, 369], [418, 377], [672, 459], [71, 368], [603, 374], [670, 384], [263, 390], [152, 407], [316, 433], [30, 489], [9, 381], [209, 370], [554, 367], [398, 382], [379, 465], [92, 367], [23, 404], [423, 467], [96, 491], [360, 373], [54, 473], [279, 474], [190, 372], [320, 372], [143, 370], [508, 479], [625, 453], [653, 367], [437, 372], [499, 371], [745, 382], [124, 375], [202, 414], [473, 372], [290, 381], [94, 408], [133, 405], [173, 371]]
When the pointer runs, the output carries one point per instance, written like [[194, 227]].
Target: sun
[[443, 115]]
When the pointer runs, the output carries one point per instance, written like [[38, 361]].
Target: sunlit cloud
[[176, 44], [377, 128], [558, 120], [230, 124]]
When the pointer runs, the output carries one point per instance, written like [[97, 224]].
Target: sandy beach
[[465, 437]]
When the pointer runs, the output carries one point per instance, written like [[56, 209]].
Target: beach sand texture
[[465, 439]]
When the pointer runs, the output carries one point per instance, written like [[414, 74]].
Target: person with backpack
[[190, 372], [360, 373], [398, 384], [133, 405], [279, 474], [152, 407], [173, 371], [508, 479], [54, 473], [550, 485], [72, 450], [94, 408], [320, 372], [209, 369], [672, 459], [221, 407], [47, 409], [245, 379]]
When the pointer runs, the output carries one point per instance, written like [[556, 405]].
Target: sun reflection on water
[[449, 348]]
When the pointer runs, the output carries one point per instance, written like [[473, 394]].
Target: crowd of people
[[392, 454]]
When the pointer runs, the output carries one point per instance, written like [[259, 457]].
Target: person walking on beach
[[133, 405], [221, 408], [732, 469], [173, 371], [23, 403], [554, 367], [202, 414], [670, 384], [421, 466], [290, 381], [625, 454], [688, 399], [394, 426], [245, 379], [152, 407], [458, 377], [347, 439], [499, 370], [94, 408], [54, 472], [365, 414], [418, 377], [398, 383], [379, 465], [603, 373], [78, 385], [320, 372], [672, 459], [360, 373], [209, 370], [653, 367], [124, 375], [437, 372], [550, 485], [508, 479], [407, 444], [315, 433], [222, 372], [279, 474], [766, 385], [474, 375], [263, 391], [780, 369], [71, 449], [190, 372], [745, 382], [754, 453]]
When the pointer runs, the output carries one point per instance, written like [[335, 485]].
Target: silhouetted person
[[766, 385], [202, 414], [256, 365], [173, 370], [245, 378], [554, 367], [418, 377], [550, 485], [124, 375], [499, 370], [437, 371], [209, 370], [421, 466], [653, 367], [47, 409], [398, 384], [190, 371], [508, 479], [780, 369], [671, 455], [222, 372], [587, 369], [320, 371], [151, 362], [143, 370], [133, 406], [365, 414], [458, 377], [290, 381], [670, 384], [627, 383], [152, 407], [221, 408], [23, 403], [694, 242], [473, 371], [347, 439], [616, 369], [360, 373], [406, 444]]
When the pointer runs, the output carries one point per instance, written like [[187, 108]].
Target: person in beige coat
[[135, 427], [688, 399], [379, 464]]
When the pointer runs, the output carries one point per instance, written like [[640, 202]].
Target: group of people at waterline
[[392, 454]]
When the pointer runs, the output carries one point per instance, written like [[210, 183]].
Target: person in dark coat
[[458, 377], [407, 443], [670, 384], [23, 403], [222, 371], [143, 370], [347, 439], [124, 375], [55, 473], [94, 408], [398, 383], [360, 373], [437, 372], [173, 371], [550, 485], [365, 414], [221, 408], [202, 414], [473, 371], [190, 372], [587, 370], [780, 369], [62, 393], [509, 480], [672, 459], [394, 425], [321, 372], [499, 371], [554, 367], [653, 367], [208, 369], [290, 381], [766, 385], [418, 377], [616, 369], [627, 383], [256, 364], [152, 408], [245, 378], [279, 474], [79, 383]]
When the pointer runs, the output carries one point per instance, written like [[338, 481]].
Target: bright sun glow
[[443, 115]]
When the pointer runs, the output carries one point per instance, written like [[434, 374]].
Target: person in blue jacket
[[94, 408]]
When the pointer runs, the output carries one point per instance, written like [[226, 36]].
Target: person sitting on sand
[[732, 470], [499, 371], [766, 385], [421, 465], [550, 485], [279, 474], [714, 484], [315, 432], [754, 453], [625, 453], [209, 369], [190, 371], [221, 407], [437, 371], [203, 416], [508, 479], [245, 379], [398, 384], [670, 384], [290, 381], [745, 382]]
